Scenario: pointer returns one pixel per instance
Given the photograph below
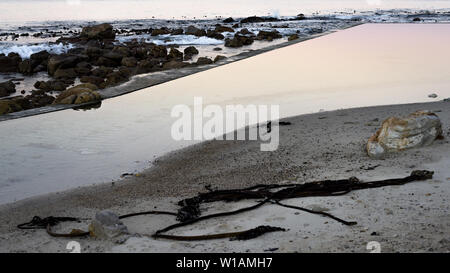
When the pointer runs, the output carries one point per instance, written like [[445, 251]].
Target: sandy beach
[[326, 145]]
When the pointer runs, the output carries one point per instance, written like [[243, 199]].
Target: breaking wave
[[25, 51]]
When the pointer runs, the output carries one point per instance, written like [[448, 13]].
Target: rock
[[158, 51], [9, 106], [203, 61], [129, 61], [256, 19], [62, 61], [102, 71], [219, 58], [98, 32], [7, 88], [117, 77], [93, 52], [293, 37], [189, 52], [83, 69], [51, 85], [178, 31], [10, 63], [192, 30], [92, 79], [300, 16], [103, 61], [228, 20], [39, 99], [107, 225], [81, 93], [26, 67], [417, 19], [214, 34], [268, 35], [238, 41], [160, 31], [40, 57], [220, 29], [174, 64], [245, 31], [148, 65], [418, 129], [433, 95], [175, 54], [217, 49], [68, 73]]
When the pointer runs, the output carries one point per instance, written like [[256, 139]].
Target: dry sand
[[327, 145]]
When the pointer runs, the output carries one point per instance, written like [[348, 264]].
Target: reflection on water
[[366, 65]]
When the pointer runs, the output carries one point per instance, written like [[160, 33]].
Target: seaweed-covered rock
[[396, 134], [81, 93], [293, 37], [9, 106], [204, 60], [219, 58]]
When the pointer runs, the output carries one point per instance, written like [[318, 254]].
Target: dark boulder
[[65, 73], [228, 20], [10, 63], [148, 65], [215, 35], [189, 52], [129, 61], [157, 51], [98, 32], [175, 54], [238, 41], [192, 30], [26, 67], [203, 61], [219, 58], [7, 88], [174, 64], [220, 29], [177, 31], [293, 37], [256, 19], [102, 71], [268, 35], [52, 85], [40, 57], [63, 61], [160, 31], [92, 79]]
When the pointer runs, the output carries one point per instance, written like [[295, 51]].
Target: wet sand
[[326, 145]]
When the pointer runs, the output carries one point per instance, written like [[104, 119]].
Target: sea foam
[[25, 51]]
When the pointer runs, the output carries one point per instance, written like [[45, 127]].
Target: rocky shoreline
[[98, 68]]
